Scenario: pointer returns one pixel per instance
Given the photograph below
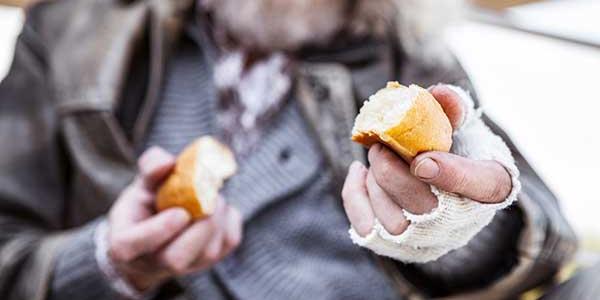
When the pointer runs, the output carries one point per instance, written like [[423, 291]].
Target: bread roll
[[199, 173], [407, 119]]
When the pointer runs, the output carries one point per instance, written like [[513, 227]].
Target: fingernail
[[427, 169]]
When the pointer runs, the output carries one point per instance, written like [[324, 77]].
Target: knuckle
[[383, 173]]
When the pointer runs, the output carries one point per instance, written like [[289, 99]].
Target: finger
[[212, 252], [224, 244], [233, 229], [393, 175], [450, 102], [154, 165], [147, 236], [356, 199], [484, 181], [182, 254], [179, 255], [386, 210], [133, 205]]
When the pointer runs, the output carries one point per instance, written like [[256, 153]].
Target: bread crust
[[180, 190], [425, 127]]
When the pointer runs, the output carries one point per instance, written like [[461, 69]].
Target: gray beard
[[278, 25]]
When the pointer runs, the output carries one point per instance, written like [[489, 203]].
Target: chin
[[279, 24]]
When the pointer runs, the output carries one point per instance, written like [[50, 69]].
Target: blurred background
[[536, 67]]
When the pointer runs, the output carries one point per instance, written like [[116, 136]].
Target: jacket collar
[[91, 76]]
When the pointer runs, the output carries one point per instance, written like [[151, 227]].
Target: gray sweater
[[295, 243]]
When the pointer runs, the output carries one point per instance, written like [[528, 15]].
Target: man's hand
[[391, 185], [149, 248]]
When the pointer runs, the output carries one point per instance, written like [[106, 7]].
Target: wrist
[[141, 280], [119, 281]]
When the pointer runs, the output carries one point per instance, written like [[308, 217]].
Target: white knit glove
[[456, 219]]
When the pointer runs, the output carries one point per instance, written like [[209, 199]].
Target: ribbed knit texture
[[76, 275], [181, 117]]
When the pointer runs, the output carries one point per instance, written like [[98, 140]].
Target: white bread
[[407, 119], [199, 173]]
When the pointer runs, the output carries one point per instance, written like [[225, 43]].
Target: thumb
[[154, 165], [481, 180]]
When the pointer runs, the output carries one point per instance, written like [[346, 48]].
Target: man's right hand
[[149, 248]]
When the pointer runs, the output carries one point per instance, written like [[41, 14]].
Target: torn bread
[[407, 119], [199, 173]]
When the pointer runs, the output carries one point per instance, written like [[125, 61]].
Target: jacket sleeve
[[523, 246], [33, 173], [76, 273]]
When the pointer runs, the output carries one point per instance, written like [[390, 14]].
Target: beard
[[278, 25]]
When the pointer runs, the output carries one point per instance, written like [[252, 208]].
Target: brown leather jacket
[[77, 102]]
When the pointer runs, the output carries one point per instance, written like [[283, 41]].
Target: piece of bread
[[199, 173], [407, 119]]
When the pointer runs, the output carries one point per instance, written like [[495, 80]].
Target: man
[[102, 94]]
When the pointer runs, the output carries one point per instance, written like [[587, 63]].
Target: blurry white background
[[542, 90], [11, 19]]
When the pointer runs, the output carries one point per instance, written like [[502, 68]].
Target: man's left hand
[[391, 185]]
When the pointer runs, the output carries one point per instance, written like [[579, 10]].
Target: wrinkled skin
[[391, 184]]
